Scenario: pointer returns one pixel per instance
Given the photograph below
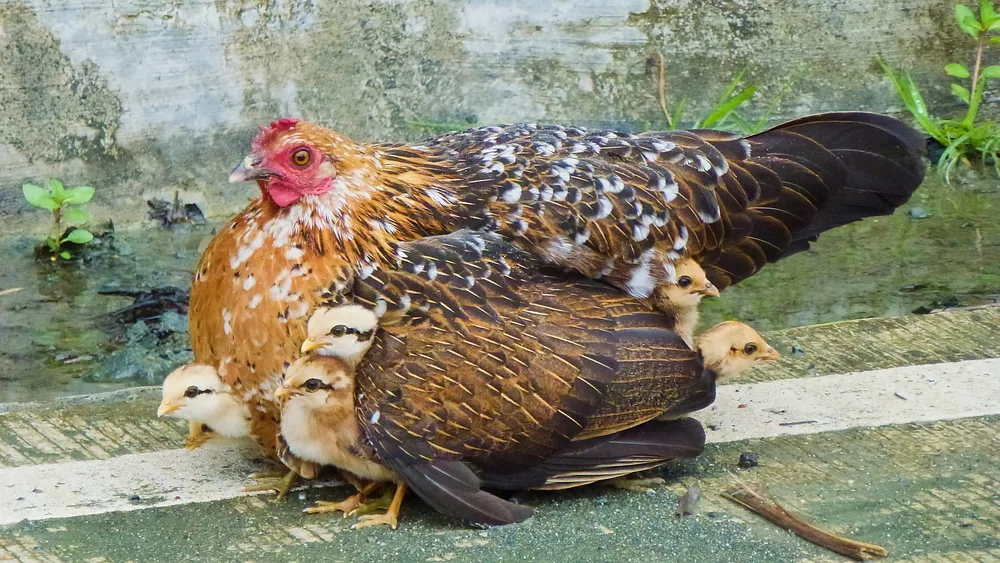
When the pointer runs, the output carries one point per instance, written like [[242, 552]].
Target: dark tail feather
[[883, 161], [811, 175], [452, 489], [644, 447]]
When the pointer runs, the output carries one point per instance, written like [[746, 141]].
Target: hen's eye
[[312, 384], [191, 392], [684, 281], [301, 157], [338, 331], [750, 349]]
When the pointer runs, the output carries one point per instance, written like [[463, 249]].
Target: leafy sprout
[[724, 114], [962, 138], [64, 204]]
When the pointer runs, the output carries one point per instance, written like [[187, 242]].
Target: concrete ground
[[885, 430]]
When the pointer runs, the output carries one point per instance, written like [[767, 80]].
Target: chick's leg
[[348, 505], [198, 434], [391, 516]]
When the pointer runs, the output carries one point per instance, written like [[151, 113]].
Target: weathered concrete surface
[[218, 471], [927, 491], [144, 97]]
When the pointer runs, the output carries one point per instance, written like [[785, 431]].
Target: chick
[[345, 332], [196, 393], [319, 424], [681, 299], [730, 347]]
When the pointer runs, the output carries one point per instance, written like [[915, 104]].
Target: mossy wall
[[142, 98]]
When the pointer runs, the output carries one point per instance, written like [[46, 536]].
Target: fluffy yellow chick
[[319, 424], [730, 347], [344, 332], [682, 298], [196, 393]]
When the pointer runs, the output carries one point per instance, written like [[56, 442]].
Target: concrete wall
[[143, 97]]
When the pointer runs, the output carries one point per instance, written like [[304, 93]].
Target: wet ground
[[940, 250]]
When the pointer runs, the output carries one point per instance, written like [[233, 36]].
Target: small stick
[[774, 512], [10, 290], [796, 423], [661, 84]]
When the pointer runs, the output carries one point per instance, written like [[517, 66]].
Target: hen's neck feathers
[[384, 194]]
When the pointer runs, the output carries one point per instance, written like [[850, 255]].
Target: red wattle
[[283, 196]]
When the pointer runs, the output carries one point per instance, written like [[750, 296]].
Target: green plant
[[722, 115], [961, 138], [64, 204]]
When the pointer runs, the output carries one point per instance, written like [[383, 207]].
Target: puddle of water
[[886, 266], [58, 319], [882, 267]]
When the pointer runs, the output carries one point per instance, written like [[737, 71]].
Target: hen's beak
[[770, 355], [710, 290], [248, 170], [165, 409], [309, 345]]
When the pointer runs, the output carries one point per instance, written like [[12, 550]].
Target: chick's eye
[[191, 392], [750, 349], [312, 384], [301, 157], [684, 281], [338, 331]]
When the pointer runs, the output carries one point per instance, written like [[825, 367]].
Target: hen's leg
[[277, 480], [634, 484], [391, 516]]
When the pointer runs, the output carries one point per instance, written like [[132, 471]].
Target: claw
[[348, 506], [267, 482], [198, 435], [390, 517]]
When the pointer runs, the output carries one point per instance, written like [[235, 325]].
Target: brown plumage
[[489, 370]]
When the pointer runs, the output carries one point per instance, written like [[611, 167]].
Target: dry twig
[[661, 84], [774, 512]]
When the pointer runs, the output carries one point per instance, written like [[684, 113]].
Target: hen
[[549, 382], [621, 208]]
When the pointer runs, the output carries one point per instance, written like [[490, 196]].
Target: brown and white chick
[[196, 393], [319, 424], [344, 331], [681, 299], [731, 347]]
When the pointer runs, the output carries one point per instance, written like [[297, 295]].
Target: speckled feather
[[625, 207]]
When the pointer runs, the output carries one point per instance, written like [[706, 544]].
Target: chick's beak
[[282, 394], [165, 409], [710, 290], [770, 355], [309, 345], [248, 170]]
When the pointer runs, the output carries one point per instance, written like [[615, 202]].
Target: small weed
[[724, 114], [962, 138], [64, 205]]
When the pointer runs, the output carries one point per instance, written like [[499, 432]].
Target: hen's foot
[[636, 485], [347, 506], [390, 517], [278, 481]]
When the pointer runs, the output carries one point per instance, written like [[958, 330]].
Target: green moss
[[50, 109]]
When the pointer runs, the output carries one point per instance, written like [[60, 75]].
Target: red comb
[[268, 134]]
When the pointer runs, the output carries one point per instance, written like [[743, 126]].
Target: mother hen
[[613, 206]]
